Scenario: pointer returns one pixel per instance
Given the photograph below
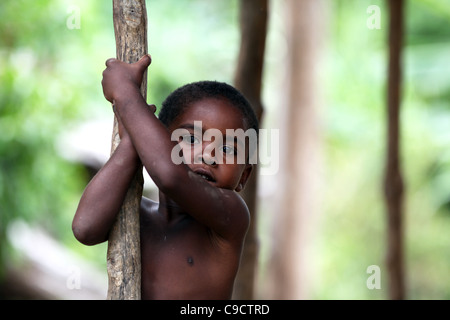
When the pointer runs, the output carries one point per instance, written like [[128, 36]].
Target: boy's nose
[[207, 156], [209, 159]]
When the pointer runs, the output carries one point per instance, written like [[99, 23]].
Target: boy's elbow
[[169, 181], [84, 236], [81, 235], [167, 186]]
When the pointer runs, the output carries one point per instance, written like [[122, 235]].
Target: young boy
[[192, 239]]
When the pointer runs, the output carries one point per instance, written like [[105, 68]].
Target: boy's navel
[[190, 261]]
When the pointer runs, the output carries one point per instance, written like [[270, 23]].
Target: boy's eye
[[190, 139], [228, 150]]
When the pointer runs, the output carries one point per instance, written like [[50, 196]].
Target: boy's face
[[214, 156]]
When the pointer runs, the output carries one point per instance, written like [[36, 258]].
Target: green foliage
[[190, 41], [354, 221], [44, 90]]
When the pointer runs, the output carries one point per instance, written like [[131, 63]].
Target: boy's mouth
[[205, 175]]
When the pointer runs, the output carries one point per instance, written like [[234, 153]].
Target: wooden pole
[[124, 256], [393, 182], [248, 79]]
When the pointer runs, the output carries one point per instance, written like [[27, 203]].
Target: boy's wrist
[[129, 93], [127, 146], [132, 95]]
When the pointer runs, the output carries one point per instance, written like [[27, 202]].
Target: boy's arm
[[222, 210], [104, 195]]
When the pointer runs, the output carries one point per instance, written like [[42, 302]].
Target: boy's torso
[[182, 259]]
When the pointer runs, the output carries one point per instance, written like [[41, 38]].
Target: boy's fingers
[[110, 61], [144, 62]]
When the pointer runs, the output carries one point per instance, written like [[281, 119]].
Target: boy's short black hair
[[182, 97]]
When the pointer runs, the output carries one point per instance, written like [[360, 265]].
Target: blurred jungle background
[[55, 132]]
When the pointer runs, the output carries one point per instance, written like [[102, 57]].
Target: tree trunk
[[248, 79], [393, 183], [124, 256], [300, 160]]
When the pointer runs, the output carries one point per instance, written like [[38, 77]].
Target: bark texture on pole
[[248, 79], [393, 181], [124, 256]]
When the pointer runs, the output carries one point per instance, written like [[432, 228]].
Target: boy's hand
[[121, 80]]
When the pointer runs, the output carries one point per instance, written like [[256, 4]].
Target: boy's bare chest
[[179, 259], [184, 244]]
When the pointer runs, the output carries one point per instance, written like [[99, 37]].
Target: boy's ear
[[244, 178]]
